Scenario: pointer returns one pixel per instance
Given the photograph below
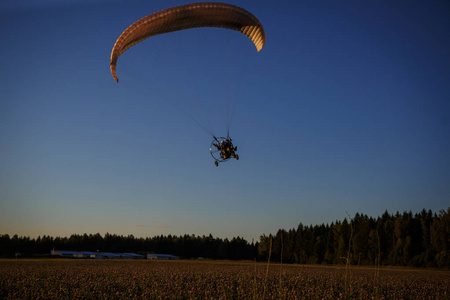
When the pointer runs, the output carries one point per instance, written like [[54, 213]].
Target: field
[[118, 279]]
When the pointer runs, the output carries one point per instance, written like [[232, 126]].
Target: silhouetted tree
[[419, 240]]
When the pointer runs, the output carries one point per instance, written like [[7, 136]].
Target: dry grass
[[115, 279]]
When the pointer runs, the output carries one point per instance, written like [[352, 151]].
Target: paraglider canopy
[[187, 16]]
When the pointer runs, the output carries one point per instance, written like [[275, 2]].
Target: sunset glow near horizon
[[345, 109]]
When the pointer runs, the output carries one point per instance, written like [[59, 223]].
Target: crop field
[[119, 279]]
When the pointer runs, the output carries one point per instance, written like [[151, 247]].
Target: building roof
[[98, 254], [164, 256]]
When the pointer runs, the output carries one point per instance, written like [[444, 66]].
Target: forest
[[400, 239]]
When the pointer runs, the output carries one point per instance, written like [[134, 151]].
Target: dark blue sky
[[346, 108]]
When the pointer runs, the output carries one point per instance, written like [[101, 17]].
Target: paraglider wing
[[189, 16]]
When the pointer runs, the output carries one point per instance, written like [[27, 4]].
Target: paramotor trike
[[222, 149]]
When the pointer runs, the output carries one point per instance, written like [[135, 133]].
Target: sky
[[345, 110]]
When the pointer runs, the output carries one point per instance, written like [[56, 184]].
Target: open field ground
[[114, 279]]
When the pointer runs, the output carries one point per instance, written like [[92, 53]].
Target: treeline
[[187, 246], [419, 240]]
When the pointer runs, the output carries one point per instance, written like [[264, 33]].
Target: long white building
[[96, 255]]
